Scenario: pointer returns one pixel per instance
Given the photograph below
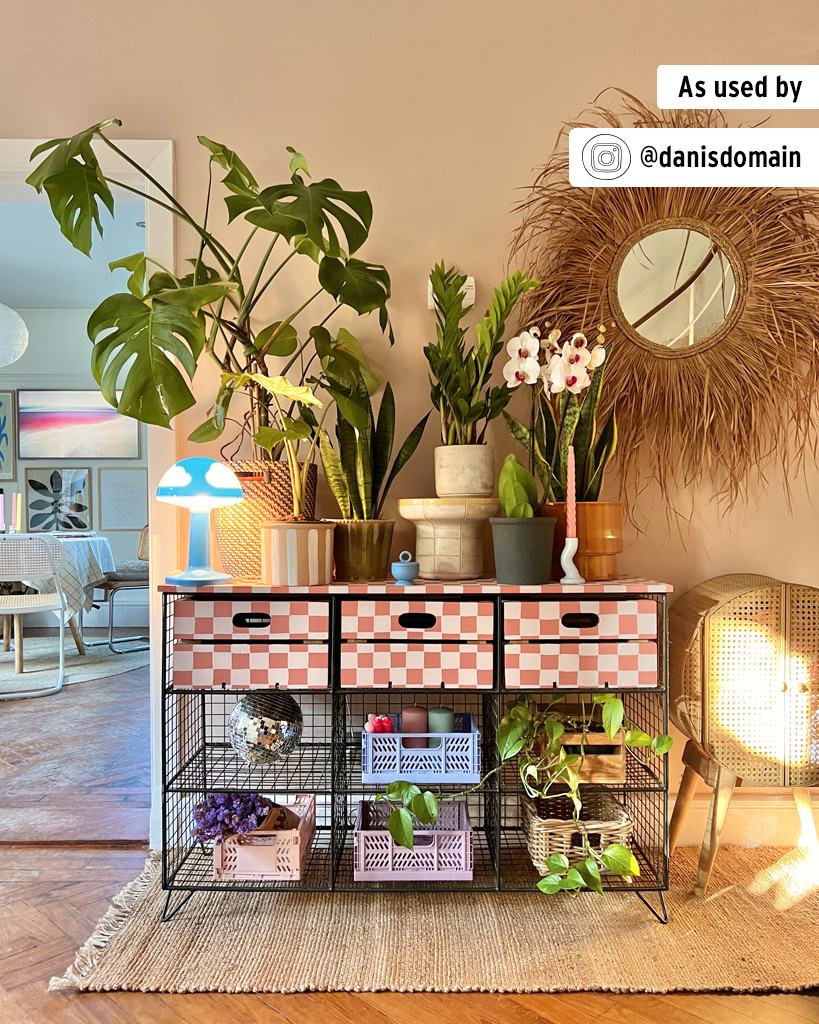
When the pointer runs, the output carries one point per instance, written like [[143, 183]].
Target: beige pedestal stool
[[744, 681]]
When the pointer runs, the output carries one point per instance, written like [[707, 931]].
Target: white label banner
[[738, 86], [694, 157]]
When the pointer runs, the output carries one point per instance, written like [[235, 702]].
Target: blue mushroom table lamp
[[199, 484]]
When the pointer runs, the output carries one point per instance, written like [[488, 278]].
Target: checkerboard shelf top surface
[[622, 585]]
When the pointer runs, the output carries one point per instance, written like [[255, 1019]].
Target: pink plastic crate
[[269, 853], [442, 851]]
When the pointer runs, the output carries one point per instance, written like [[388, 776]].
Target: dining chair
[[34, 559], [128, 575]]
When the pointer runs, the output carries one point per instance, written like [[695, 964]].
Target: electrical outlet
[[468, 290]]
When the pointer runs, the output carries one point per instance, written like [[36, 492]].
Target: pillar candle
[[571, 496], [440, 720], [414, 719]]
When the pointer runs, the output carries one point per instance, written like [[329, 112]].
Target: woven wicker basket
[[549, 827], [238, 527]]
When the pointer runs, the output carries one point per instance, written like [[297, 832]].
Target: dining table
[[88, 557]]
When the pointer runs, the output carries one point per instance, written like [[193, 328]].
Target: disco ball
[[265, 727]]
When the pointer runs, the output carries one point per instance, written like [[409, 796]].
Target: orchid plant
[[567, 383]]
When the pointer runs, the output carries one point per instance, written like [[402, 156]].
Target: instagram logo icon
[[606, 157]]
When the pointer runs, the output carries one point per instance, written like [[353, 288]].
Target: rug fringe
[[112, 921]]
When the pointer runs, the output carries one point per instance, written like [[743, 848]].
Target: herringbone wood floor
[[51, 897]]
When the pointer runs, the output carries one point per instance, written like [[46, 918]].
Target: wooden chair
[[723, 782], [32, 558], [128, 575]]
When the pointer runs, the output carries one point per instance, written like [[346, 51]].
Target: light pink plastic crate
[[442, 851], [269, 853]]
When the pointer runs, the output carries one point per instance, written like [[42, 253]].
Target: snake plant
[[359, 475]]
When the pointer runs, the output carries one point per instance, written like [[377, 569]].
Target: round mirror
[[676, 287]]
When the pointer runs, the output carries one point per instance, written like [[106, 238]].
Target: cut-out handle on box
[[417, 620], [580, 620], [251, 620]]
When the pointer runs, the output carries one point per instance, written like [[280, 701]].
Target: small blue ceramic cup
[[405, 570]]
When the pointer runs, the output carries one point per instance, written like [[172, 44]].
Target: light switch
[[468, 290]]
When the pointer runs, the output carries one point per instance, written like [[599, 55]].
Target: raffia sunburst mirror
[[710, 298]]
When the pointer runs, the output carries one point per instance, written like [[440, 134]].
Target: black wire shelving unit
[[197, 759]]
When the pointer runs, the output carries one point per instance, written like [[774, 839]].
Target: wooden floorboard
[[75, 767]]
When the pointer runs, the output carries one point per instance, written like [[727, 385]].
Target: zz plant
[[360, 476], [148, 341], [460, 388], [530, 734]]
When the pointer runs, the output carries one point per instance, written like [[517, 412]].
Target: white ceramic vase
[[465, 471], [297, 554], [449, 542]]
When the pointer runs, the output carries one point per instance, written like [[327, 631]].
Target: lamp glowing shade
[[201, 485], [13, 336]]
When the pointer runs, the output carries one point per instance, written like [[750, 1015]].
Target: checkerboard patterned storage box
[[421, 666], [251, 666], [587, 666]]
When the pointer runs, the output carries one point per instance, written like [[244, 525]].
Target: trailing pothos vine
[[532, 734]]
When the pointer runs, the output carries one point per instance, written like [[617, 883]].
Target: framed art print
[[122, 499], [7, 427], [73, 425], [58, 499]]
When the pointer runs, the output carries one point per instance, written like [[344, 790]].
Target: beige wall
[[441, 110]]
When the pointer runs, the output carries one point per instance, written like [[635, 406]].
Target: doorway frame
[[157, 157]]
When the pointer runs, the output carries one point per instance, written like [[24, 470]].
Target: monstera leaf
[[149, 335], [314, 210], [74, 184]]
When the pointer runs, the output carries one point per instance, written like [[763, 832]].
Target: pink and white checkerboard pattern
[[378, 620], [626, 620], [213, 620], [373, 666], [251, 666], [535, 666]]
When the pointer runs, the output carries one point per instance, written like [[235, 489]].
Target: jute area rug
[[40, 663], [757, 930]]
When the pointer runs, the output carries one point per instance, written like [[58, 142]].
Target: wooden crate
[[604, 760]]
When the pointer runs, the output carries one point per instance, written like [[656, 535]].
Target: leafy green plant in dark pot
[[522, 542]]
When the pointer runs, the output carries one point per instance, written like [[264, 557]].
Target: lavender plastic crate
[[442, 852], [457, 758]]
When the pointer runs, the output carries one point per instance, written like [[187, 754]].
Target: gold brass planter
[[361, 549]]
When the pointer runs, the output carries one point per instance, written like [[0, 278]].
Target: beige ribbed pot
[[297, 554], [449, 542]]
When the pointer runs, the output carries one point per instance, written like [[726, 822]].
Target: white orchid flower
[[598, 355], [565, 377], [521, 371], [525, 346], [579, 341], [574, 356], [553, 339]]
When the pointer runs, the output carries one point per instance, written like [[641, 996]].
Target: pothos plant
[[530, 733], [149, 340], [567, 383]]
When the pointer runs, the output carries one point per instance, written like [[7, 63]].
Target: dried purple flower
[[223, 814]]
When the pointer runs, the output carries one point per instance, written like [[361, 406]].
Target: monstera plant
[[148, 341]]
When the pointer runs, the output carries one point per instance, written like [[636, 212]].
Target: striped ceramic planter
[[297, 554]]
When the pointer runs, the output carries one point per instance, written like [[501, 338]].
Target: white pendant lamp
[[13, 336]]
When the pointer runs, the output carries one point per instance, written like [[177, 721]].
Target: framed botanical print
[[73, 425], [58, 499], [7, 428]]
